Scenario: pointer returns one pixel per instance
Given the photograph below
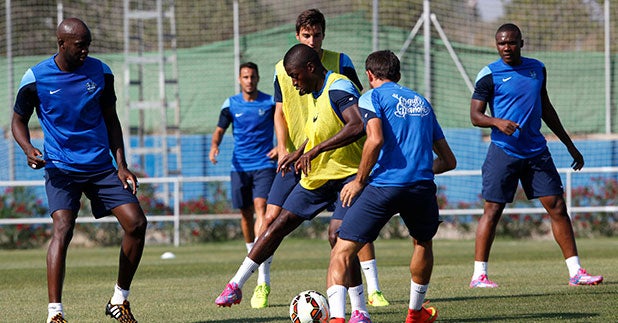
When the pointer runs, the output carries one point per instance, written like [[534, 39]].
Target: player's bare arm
[[217, 136], [551, 119], [281, 131], [369, 157], [116, 145], [480, 119], [21, 133], [445, 159]]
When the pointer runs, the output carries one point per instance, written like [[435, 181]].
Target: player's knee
[[137, 226], [332, 238]]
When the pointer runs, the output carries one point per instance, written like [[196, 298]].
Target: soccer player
[[328, 159], [253, 166], [395, 175], [75, 102], [515, 89], [290, 118]]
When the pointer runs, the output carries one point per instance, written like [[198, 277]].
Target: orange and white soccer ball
[[309, 307]]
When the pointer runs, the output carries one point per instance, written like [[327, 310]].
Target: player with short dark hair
[[328, 159], [290, 118], [75, 101], [395, 175], [250, 112], [515, 88]]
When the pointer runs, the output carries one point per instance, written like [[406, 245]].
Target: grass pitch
[[532, 276]]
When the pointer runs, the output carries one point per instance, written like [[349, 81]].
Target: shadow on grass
[[524, 317], [249, 320], [518, 317]]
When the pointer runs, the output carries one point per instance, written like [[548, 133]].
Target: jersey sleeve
[[277, 89], [27, 99], [343, 94], [108, 97], [347, 68], [484, 85], [367, 109], [225, 116]]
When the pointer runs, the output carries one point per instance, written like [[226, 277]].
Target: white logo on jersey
[[506, 79], [54, 91], [91, 87], [237, 115], [261, 112], [412, 107]]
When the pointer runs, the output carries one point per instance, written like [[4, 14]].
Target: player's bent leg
[[337, 280], [63, 225], [259, 204], [486, 229], [262, 290], [562, 230], [266, 245], [366, 256], [485, 234], [421, 264], [342, 255], [333, 227], [247, 224], [134, 223], [561, 226], [421, 267]]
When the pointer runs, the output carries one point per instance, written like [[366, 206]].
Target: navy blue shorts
[[281, 188], [502, 172], [103, 189], [247, 186], [417, 206], [309, 203]]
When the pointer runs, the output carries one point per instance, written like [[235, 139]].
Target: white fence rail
[[177, 182]]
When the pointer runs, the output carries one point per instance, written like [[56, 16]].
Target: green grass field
[[531, 274]]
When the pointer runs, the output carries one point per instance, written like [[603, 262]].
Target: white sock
[[573, 265], [247, 268], [336, 300], [53, 309], [249, 246], [120, 295], [357, 299], [370, 270], [264, 272], [480, 268], [417, 295]]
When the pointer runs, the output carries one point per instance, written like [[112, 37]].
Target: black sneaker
[[121, 312]]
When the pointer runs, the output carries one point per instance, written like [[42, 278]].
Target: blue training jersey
[[514, 93], [69, 107], [253, 130], [409, 127]]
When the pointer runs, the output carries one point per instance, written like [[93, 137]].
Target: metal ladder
[[152, 109]]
